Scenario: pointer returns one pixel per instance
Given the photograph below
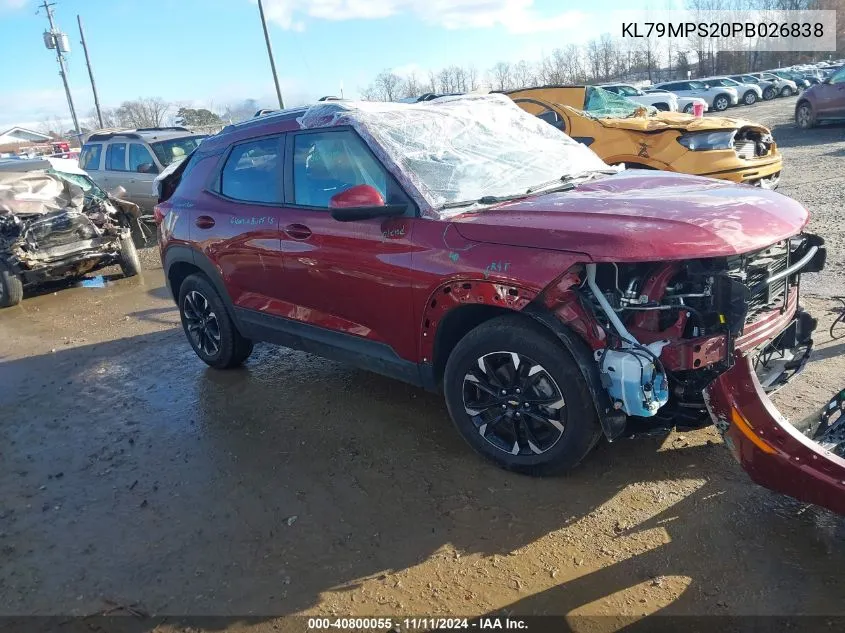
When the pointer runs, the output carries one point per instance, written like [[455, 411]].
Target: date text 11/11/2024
[[416, 624]]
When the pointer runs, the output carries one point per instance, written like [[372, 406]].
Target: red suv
[[464, 245]]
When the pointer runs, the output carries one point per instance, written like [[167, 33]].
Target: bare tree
[[501, 78], [472, 78], [412, 87], [148, 112], [524, 75]]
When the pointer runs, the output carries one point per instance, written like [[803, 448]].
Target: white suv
[[720, 98], [666, 101], [749, 94]]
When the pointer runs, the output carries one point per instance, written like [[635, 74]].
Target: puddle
[[94, 282]]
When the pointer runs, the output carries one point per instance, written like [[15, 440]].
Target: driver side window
[[327, 163]]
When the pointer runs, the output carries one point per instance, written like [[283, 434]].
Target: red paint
[[357, 196], [798, 466], [636, 216]]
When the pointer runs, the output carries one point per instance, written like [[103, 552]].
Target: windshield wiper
[[569, 182]]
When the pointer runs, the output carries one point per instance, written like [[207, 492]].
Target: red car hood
[[637, 216]]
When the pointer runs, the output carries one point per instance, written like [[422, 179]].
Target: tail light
[[158, 214]]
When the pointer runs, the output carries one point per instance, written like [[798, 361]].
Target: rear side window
[[253, 172], [116, 157], [89, 157]]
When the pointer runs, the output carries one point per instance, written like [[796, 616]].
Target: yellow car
[[622, 131]]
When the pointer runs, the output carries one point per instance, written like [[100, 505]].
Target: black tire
[[662, 107], [216, 340], [721, 103], [563, 435], [805, 118], [749, 98], [688, 108], [786, 91], [769, 94], [130, 263], [11, 287]]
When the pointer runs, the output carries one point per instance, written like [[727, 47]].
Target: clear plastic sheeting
[[37, 193], [460, 149], [603, 104]]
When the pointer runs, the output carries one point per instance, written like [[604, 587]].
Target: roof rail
[[176, 128]]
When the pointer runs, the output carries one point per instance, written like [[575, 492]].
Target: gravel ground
[[132, 474]]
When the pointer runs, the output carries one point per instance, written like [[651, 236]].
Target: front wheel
[[518, 397], [721, 103], [688, 108], [750, 98], [130, 263], [208, 326], [769, 94], [786, 92], [11, 287]]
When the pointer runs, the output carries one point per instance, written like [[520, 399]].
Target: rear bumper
[[774, 453]]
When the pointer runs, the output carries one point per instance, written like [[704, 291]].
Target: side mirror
[[361, 202]]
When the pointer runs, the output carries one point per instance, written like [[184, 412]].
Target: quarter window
[[89, 158], [252, 172], [116, 157], [326, 163]]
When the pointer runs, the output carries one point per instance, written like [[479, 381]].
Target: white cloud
[[518, 16], [11, 5]]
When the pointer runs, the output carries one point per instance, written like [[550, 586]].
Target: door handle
[[204, 221], [298, 231]]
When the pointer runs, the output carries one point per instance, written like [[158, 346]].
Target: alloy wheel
[[804, 116], [201, 322], [750, 98], [514, 403], [721, 104]]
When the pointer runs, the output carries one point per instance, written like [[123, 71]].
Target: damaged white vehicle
[[56, 223]]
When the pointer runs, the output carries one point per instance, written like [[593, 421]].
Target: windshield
[[176, 148], [88, 186], [460, 149], [604, 104]]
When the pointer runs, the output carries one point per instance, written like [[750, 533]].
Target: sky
[[209, 53]]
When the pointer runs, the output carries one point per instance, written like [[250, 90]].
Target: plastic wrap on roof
[[460, 149], [603, 104]]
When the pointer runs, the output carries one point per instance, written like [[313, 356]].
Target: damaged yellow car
[[622, 131]]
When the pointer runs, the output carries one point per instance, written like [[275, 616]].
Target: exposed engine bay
[[55, 224], [752, 142], [668, 329]]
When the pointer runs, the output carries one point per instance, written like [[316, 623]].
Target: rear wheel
[[749, 98], [688, 108], [721, 103], [518, 397], [805, 118], [208, 326], [11, 287], [786, 91], [769, 94]]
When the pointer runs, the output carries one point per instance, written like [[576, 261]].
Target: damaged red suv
[[466, 246]]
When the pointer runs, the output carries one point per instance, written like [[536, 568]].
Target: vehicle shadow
[[296, 483], [790, 135], [90, 280]]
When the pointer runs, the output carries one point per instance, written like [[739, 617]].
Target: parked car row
[[467, 247]]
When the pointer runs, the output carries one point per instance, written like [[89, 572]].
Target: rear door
[[114, 166]]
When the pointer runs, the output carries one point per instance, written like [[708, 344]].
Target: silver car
[[132, 158], [769, 88], [784, 87], [718, 98], [749, 94]]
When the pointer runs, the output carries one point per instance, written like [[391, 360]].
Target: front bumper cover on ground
[[773, 451]]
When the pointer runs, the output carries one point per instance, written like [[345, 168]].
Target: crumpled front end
[[805, 460]]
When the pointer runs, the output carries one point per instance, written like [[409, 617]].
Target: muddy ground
[[132, 474]]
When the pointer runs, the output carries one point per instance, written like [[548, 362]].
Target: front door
[[142, 173], [349, 277]]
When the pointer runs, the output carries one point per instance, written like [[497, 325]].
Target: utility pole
[[90, 71], [57, 40], [269, 53]]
